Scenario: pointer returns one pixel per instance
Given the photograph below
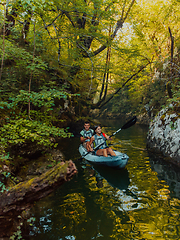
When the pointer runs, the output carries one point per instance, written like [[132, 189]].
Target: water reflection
[[118, 178], [139, 202], [167, 172]]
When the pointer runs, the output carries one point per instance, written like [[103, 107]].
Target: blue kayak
[[118, 161]]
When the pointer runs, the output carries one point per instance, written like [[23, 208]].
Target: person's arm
[[91, 141], [107, 137], [83, 139]]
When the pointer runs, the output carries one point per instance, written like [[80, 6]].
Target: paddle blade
[[130, 123]]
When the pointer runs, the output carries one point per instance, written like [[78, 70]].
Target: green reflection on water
[[102, 203]]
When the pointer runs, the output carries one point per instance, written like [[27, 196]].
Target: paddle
[[125, 126]]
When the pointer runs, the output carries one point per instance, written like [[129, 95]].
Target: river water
[[141, 201]]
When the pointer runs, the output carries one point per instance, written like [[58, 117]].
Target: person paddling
[[86, 135], [99, 138]]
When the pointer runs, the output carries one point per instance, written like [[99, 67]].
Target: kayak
[[118, 161]]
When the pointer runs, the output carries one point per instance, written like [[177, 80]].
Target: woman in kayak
[[99, 138]]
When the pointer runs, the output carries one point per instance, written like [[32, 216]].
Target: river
[[141, 201]]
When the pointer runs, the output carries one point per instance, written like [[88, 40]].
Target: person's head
[[86, 126], [97, 129]]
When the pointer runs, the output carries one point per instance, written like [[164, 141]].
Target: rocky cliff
[[164, 133]]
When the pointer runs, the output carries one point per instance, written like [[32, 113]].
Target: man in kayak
[[86, 135], [99, 138]]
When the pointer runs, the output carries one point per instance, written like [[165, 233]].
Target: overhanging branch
[[119, 25], [111, 97]]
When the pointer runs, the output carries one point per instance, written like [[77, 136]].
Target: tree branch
[[69, 17], [106, 75], [30, 80], [119, 25], [121, 87], [59, 43], [172, 51], [129, 9], [55, 19]]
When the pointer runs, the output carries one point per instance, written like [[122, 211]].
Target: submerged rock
[[164, 134]]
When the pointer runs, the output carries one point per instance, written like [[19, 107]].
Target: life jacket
[[100, 139], [86, 134]]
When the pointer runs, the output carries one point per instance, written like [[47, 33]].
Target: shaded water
[[139, 202]]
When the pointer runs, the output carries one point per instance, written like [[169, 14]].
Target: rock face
[[164, 134]]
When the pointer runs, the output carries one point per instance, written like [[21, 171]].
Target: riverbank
[[25, 179]]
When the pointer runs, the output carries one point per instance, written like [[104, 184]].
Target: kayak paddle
[[125, 126]]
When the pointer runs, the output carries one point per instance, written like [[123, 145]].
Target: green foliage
[[4, 156], [176, 93], [173, 125], [17, 234], [3, 187], [44, 98], [19, 131], [17, 67], [31, 220], [21, 58]]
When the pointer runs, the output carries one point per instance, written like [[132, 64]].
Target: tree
[[150, 39], [87, 21]]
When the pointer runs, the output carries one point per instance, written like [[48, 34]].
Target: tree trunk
[[10, 19], [100, 105], [23, 195], [169, 84], [4, 30], [172, 51], [105, 76]]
